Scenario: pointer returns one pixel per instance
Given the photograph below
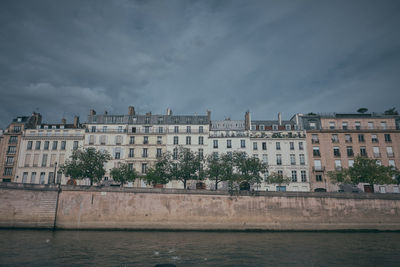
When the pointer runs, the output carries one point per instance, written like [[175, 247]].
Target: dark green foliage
[[275, 178], [391, 111], [123, 174], [362, 110], [160, 173]]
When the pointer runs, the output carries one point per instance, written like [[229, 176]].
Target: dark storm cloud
[[65, 57]]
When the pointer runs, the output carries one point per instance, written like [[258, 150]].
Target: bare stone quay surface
[[69, 207]]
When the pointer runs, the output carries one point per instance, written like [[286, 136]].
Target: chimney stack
[[76, 122], [247, 121], [169, 112], [279, 119], [131, 111], [63, 121], [92, 112]]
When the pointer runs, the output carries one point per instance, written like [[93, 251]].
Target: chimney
[[76, 122], [297, 118], [105, 112], [131, 111], [169, 112], [92, 112], [279, 119], [247, 121], [63, 121]]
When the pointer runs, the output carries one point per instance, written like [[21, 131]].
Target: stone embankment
[[68, 207]]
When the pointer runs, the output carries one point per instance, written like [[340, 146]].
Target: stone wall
[[115, 208]]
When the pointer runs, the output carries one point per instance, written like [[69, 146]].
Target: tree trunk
[[216, 184], [184, 183]]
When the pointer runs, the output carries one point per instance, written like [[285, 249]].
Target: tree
[[391, 111], [161, 172], [86, 163], [362, 110], [123, 174], [187, 166], [220, 168], [275, 178], [249, 168], [365, 170]]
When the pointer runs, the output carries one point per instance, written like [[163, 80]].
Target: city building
[[11, 140], [334, 140]]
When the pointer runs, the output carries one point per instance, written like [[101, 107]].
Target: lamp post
[[55, 171]]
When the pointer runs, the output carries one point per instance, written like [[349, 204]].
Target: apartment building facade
[[336, 139]]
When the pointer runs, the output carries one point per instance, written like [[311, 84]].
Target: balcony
[[377, 155], [316, 153], [318, 168], [315, 141], [335, 140], [336, 154], [349, 140], [350, 153], [390, 154]]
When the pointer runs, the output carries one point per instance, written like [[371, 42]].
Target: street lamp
[[55, 172]]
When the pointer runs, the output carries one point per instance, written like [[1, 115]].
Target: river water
[[148, 248]]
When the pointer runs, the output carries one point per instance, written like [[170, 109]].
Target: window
[[37, 145], [146, 129], [44, 160], [316, 151], [175, 140], [160, 130], [12, 150], [9, 161], [104, 129], [159, 140], [33, 177], [188, 129], [255, 146], [188, 140], [215, 143], [145, 140], [130, 166], [262, 127], [24, 177], [332, 125], [363, 151], [13, 140], [278, 159], [144, 153], [118, 140], [336, 151], [159, 153], [302, 159], [314, 139], [93, 129], [383, 125], [351, 162], [391, 163], [388, 139], [317, 165], [76, 143], [280, 173], [242, 143], [29, 145], [358, 125], [215, 155], [144, 167], [348, 138], [374, 138], [175, 154], [288, 127], [370, 125], [133, 130], [176, 129], [265, 158], [301, 146], [350, 152], [303, 176], [294, 176], [131, 140], [278, 145], [201, 140], [389, 151], [35, 160], [318, 178], [63, 144], [117, 155], [291, 145], [313, 125], [253, 127], [201, 130], [338, 164], [131, 152], [376, 152], [59, 174], [42, 175], [17, 129], [120, 130], [361, 138], [201, 153], [344, 125], [264, 145], [8, 171], [292, 159], [335, 138]]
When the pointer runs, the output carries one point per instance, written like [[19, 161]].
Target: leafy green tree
[[86, 163], [276, 178], [160, 173], [123, 174], [365, 170], [249, 168], [391, 111], [187, 166], [362, 110], [219, 168]]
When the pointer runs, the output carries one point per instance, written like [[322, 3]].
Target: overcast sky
[[62, 58]]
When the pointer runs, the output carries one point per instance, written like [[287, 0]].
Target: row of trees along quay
[[237, 169]]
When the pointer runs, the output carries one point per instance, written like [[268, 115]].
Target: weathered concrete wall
[[101, 208]]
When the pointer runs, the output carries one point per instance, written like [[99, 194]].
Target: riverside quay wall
[[68, 207]]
